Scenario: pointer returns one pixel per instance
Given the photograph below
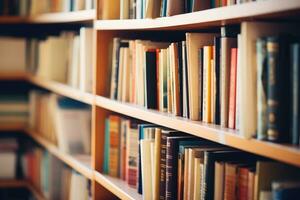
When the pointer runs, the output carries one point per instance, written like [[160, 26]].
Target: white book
[[86, 59], [124, 9], [238, 84], [219, 181], [78, 188], [74, 67], [146, 168]]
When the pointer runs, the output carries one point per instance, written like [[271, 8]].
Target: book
[[232, 89], [295, 62], [278, 115], [114, 150], [261, 57], [151, 86], [226, 45]]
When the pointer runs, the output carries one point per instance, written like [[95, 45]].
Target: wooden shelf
[[59, 17], [207, 18], [230, 137], [118, 187], [81, 165], [22, 184], [13, 75], [62, 89]]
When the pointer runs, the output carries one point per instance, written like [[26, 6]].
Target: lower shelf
[[118, 187]]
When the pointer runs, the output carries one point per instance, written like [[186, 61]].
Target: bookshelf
[[103, 185]]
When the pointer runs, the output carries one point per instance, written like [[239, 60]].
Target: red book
[[224, 3], [230, 191], [232, 88], [243, 183]]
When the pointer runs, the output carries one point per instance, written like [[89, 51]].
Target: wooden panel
[[119, 187], [211, 17], [13, 183], [230, 137], [78, 163]]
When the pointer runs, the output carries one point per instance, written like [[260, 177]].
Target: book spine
[[230, 182], [232, 89], [243, 183], [261, 89], [207, 52], [201, 72], [295, 61], [151, 81], [171, 190], [163, 153], [217, 76], [114, 146], [273, 93]]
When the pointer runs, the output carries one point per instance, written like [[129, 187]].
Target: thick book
[[232, 89], [217, 58], [242, 190], [261, 56], [151, 79], [278, 107], [295, 76]]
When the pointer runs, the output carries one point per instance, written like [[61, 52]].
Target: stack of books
[[141, 9], [52, 177], [62, 121], [167, 164], [8, 158], [35, 7], [14, 109], [66, 58]]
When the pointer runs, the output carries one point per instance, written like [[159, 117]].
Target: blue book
[[106, 148], [67, 103]]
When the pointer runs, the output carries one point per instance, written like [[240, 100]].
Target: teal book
[[106, 148], [261, 59]]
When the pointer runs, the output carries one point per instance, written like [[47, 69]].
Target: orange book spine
[[232, 89], [114, 148]]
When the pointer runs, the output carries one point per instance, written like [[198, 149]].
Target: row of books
[[207, 77], [278, 62], [195, 78], [35, 7], [167, 164], [8, 157], [66, 58], [52, 177], [14, 109], [62, 121], [140, 9]]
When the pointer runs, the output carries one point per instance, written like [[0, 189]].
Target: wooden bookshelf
[[234, 14], [12, 127], [119, 187], [82, 166], [36, 193], [81, 16], [62, 89]]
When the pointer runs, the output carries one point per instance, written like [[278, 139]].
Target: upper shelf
[[207, 18], [60, 17]]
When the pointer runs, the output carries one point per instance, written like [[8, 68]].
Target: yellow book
[[208, 54]]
